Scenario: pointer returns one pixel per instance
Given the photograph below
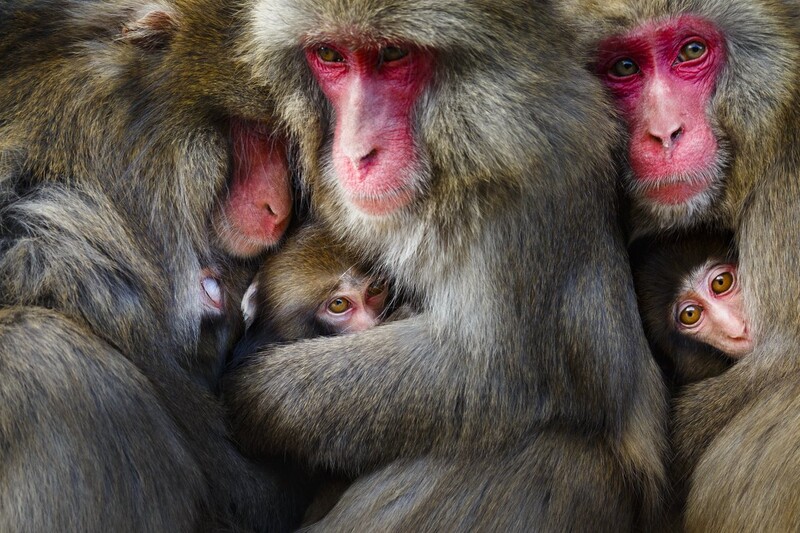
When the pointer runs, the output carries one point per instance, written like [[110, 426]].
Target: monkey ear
[[153, 31], [249, 305]]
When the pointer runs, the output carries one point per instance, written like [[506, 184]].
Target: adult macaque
[[690, 298], [122, 125], [433, 138], [710, 92], [314, 286]]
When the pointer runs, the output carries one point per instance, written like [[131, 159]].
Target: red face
[[373, 92], [259, 204], [662, 76], [357, 305], [711, 310]]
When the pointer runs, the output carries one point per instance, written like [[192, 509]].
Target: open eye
[[722, 283], [624, 67], [376, 287], [339, 305], [690, 315], [393, 53], [691, 50], [329, 55]]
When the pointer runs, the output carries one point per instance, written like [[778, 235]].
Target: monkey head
[[688, 81], [314, 286], [691, 302]]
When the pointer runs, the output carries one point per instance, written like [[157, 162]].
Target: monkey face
[[710, 309]]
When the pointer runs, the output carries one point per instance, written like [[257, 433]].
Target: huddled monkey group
[[399, 265]]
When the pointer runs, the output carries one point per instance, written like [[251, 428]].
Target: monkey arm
[[309, 397], [704, 409]]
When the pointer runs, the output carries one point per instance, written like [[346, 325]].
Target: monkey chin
[[676, 202]]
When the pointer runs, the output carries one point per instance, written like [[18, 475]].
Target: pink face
[[373, 91], [259, 204], [711, 310], [354, 306], [662, 76]]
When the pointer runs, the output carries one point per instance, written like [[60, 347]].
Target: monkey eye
[[690, 315], [339, 305], [376, 287], [722, 283], [624, 67], [329, 55], [691, 50], [392, 53]]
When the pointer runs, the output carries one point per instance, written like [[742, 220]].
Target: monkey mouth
[[384, 203], [674, 189], [674, 192]]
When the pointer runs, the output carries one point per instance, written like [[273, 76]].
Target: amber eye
[[339, 305], [690, 314], [691, 50], [625, 67], [329, 55], [722, 283], [392, 53]]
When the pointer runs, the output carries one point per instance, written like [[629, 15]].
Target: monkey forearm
[[316, 398], [704, 409]]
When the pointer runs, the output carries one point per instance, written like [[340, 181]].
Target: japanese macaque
[[133, 154], [315, 286], [433, 137], [691, 302], [710, 93]]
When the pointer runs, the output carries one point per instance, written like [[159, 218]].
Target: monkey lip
[[673, 192], [385, 203]]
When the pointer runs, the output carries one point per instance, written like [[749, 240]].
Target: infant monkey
[[691, 304], [314, 286]]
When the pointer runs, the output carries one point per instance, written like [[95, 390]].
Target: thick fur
[[660, 269], [523, 396], [113, 152], [736, 455]]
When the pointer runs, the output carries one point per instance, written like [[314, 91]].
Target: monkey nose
[[363, 159], [666, 136], [276, 216]]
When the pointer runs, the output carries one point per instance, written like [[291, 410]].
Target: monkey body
[[115, 166], [509, 393], [753, 192]]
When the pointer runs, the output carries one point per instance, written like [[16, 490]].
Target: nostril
[[675, 134], [270, 211]]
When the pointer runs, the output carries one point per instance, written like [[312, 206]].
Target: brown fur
[[518, 399], [113, 152], [736, 457]]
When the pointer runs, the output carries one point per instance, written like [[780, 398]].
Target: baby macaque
[[314, 286], [691, 304]]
